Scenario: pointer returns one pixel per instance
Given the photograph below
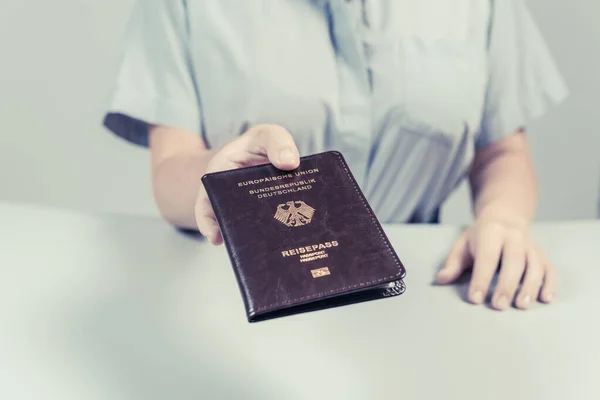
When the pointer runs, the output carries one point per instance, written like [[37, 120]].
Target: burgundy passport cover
[[302, 240]]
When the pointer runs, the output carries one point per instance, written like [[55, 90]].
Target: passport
[[302, 240]]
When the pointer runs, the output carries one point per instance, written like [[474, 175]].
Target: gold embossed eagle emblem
[[294, 213]]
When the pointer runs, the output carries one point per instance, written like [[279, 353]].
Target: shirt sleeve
[[155, 84], [524, 81]]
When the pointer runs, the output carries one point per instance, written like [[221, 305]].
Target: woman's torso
[[397, 86]]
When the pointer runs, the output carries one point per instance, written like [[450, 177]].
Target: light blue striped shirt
[[406, 90]]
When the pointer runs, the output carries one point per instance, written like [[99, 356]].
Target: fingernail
[[547, 297], [502, 302], [477, 297], [526, 301], [287, 156]]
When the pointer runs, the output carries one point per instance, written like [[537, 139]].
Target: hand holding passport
[[302, 240]]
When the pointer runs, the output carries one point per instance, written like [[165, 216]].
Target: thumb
[[275, 143], [459, 259]]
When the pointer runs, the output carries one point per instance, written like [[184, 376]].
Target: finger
[[459, 259], [532, 282], [549, 287], [511, 271], [487, 254], [221, 162], [205, 219], [274, 142]]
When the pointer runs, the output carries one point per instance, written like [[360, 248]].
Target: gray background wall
[[58, 60]]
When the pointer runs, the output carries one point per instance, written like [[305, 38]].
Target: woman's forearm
[[503, 181], [179, 161], [176, 183]]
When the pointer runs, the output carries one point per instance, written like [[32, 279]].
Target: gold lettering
[[310, 171], [308, 253]]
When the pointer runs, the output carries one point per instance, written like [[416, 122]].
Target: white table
[[116, 307]]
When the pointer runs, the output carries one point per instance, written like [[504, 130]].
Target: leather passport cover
[[302, 240]]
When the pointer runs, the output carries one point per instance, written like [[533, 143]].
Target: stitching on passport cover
[[377, 225], [281, 303]]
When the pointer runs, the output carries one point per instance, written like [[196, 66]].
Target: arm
[[179, 159], [504, 190], [523, 82], [503, 181]]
